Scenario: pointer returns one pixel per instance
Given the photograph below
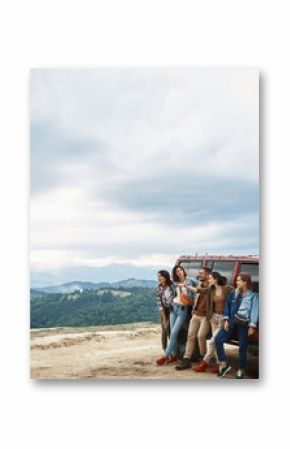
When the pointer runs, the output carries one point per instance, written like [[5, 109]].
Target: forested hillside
[[92, 307]]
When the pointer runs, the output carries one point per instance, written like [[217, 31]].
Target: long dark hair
[[221, 280], [166, 275], [174, 275], [246, 277]]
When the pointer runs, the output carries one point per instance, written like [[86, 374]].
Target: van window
[[209, 264], [224, 268], [253, 270], [191, 268]]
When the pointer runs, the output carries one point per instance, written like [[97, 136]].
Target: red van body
[[229, 266]]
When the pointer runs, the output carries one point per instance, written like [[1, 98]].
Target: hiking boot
[[223, 370], [161, 361], [240, 374], [201, 367], [171, 359], [184, 364], [215, 369]]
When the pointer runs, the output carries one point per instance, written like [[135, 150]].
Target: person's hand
[[251, 331], [226, 325], [165, 321]]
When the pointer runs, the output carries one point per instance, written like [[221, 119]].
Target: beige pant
[[216, 323], [198, 328]]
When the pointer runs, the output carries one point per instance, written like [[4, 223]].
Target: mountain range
[[70, 287], [107, 274]]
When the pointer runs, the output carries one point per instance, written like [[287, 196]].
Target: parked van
[[229, 266]]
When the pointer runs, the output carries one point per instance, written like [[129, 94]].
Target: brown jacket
[[202, 301], [205, 299]]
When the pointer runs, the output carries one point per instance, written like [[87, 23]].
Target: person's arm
[[209, 306], [227, 311], [251, 331], [160, 307], [202, 289], [227, 308], [254, 312], [191, 288], [192, 285], [158, 300]]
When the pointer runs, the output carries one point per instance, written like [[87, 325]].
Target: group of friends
[[214, 306]]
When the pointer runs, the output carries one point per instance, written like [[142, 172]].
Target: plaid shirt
[[164, 297]]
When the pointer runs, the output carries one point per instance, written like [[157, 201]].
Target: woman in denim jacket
[[240, 313], [179, 312]]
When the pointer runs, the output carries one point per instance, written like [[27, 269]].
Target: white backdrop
[[164, 33]]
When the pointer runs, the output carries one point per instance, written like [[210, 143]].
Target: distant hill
[[91, 307], [107, 273], [70, 287], [132, 282]]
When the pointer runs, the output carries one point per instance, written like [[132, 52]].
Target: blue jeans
[[224, 336], [178, 317]]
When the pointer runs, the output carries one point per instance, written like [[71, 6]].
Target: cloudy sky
[[131, 168]]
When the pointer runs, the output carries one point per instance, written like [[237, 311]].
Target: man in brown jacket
[[199, 323]]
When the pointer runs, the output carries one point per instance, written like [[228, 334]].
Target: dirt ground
[[112, 352]]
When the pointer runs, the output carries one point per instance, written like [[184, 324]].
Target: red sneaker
[[162, 360], [215, 369], [171, 359], [201, 367]]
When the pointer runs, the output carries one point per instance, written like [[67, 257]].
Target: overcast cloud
[[138, 166]]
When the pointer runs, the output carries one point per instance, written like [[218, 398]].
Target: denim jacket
[[246, 307], [191, 295], [192, 283]]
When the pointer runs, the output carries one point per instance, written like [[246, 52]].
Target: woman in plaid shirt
[[164, 297]]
